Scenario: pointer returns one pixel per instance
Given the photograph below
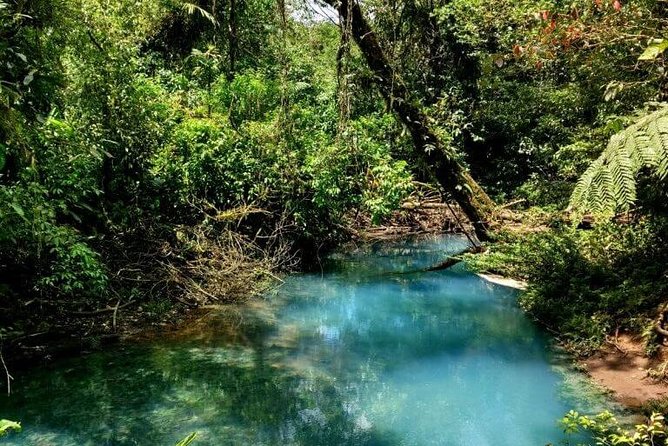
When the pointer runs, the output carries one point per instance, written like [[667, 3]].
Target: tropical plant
[[609, 185], [607, 430], [7, 426]]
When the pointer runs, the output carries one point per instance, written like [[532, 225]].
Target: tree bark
[[452, 176]]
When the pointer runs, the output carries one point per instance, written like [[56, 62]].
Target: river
[[371, 350]]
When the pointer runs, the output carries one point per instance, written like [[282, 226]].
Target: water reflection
[[372, 352]]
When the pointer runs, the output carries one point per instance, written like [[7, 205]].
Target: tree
[[449, 172]]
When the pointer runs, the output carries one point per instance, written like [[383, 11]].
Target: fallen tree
[[450, 174]]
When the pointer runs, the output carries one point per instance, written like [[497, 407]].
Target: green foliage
[[529, 77], [587, 284], [609, 184], [654, 49], [249, 97], [607, 431], [188, 440], [7, 426], [61, 262]]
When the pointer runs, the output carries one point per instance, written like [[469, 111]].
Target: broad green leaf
[[29, 77], [654, 49], [6, 426], [19, 211]]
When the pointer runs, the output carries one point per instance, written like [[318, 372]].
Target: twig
[[512, 203], [9, 377], [101, 311], [113, 318], [614, 344], [461, 225]]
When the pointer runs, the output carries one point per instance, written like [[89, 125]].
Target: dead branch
[[108, 309], [7, 374]]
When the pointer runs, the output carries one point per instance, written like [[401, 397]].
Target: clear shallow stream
[[369, 352]]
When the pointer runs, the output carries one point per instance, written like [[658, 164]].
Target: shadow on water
[[351, 356]]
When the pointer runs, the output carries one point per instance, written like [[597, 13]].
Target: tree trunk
[[452, 176], [232, 40]]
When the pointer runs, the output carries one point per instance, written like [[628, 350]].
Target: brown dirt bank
[[622, 367]]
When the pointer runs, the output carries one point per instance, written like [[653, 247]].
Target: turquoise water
[[369, 352]]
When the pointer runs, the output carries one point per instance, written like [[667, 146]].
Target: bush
[[607, 431], [586, 284]]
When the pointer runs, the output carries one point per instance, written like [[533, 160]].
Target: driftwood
[[108, 309]]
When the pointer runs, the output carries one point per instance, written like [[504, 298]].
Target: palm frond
[[193, 9]]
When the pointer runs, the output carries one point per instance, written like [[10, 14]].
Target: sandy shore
[[500, 280]]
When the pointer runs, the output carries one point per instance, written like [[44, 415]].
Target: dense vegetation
[[161, 153], [132, 151]]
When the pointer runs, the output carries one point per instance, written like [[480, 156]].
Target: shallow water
[[370, 352]]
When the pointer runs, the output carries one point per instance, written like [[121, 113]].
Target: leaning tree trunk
[[452, 176]]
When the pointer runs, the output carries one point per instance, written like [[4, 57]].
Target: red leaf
[[617, 5]]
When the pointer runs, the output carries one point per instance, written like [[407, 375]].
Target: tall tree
[[452, 176], [232, 39]]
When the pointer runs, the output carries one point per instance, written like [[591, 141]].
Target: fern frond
[[609, 184], [192, 8], [660, 142]]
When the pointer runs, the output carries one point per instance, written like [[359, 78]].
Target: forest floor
[[622, 367]]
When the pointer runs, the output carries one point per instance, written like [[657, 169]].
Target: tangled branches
[[223, 266]]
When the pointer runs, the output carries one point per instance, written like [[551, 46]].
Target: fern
[[609, 184], [192, 9]]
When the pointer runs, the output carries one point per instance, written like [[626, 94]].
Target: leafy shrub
[[586, 284], [251, 96], [53, 259], [607, 431]]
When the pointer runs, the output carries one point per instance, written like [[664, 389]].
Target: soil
[[621, 366]]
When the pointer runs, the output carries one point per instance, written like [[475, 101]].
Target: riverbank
[[621, 366]]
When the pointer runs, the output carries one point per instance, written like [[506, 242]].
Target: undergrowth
[[586, 284]]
